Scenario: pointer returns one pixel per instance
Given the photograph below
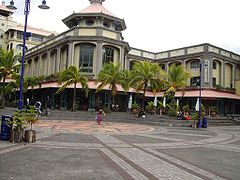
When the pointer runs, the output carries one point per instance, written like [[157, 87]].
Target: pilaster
[[99, 57], [233, 75], [70, 54], [58, 59]]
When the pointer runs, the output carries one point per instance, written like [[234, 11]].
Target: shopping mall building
[[95, 37]]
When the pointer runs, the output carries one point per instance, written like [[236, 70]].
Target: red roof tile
[[97, 8]]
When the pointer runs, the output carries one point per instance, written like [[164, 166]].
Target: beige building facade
[[11, 32], [95, 38]]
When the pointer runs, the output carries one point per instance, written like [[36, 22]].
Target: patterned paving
[[128, 151]]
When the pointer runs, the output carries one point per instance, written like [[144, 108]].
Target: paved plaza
[[85, 150]]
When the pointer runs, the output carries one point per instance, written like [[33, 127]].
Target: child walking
[[100, 115]]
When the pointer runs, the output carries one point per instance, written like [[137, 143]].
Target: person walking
[[100, 115], [38, 106]]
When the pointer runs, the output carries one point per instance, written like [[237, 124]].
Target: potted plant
[[18, 124], [194, 117], [186, 110], [150, 108], [160, 107], [213, 111], [135, 108], [31, 118]]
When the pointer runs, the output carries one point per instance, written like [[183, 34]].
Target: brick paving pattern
[[85, 150]]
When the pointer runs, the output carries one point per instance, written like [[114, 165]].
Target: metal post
[[26, 12], [200, 97]]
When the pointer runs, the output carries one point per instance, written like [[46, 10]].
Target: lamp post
[[200, 96], [26, 12]]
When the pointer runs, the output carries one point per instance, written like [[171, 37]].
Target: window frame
[[86, 58]]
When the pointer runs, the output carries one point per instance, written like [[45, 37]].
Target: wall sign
[[206, 71]]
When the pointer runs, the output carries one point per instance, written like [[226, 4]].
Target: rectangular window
[[214, 81], [195, 81], [86, 58], [37, 38], [20, 35]]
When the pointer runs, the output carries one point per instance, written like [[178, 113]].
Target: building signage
[[206, 71]]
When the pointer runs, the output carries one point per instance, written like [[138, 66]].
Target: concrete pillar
[[45, 64], [167, 67], [48, 64], [233, 75], [70, 54], [121, 57], [40, 63], [222, 73], [58, 59], [99, 57], [184, 64]]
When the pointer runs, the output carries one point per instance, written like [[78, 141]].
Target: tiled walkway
[[85, 150]]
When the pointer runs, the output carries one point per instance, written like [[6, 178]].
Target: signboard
[[206, 71]]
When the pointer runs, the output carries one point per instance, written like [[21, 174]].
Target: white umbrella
[[164, 102], [130, 102], [197, 105], [155, 101]]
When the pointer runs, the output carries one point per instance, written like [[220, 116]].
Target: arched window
[[214, 65], [108, 55], [86, 58], [194, 64]]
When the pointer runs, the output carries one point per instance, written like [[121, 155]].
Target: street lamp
[[200, 96], [26, 12]]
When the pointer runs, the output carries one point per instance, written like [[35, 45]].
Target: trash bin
[[5, 128], [204, 122], [199, 123]]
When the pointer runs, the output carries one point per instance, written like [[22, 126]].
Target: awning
[[206, 93]]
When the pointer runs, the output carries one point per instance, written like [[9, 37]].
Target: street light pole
[[26, 12], [200, 96]]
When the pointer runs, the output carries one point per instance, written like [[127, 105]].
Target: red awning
[[206, 93]]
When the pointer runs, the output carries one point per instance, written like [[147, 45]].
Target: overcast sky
[[153, 25]]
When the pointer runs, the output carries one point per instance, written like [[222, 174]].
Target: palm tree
[[14, 85], [73, 75], [32, 81], [146, 74], [176, 79], [7, 60], [111, 75]]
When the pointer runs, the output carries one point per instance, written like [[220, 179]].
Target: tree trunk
[[74, 97], [144, 91], [32, 94]]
